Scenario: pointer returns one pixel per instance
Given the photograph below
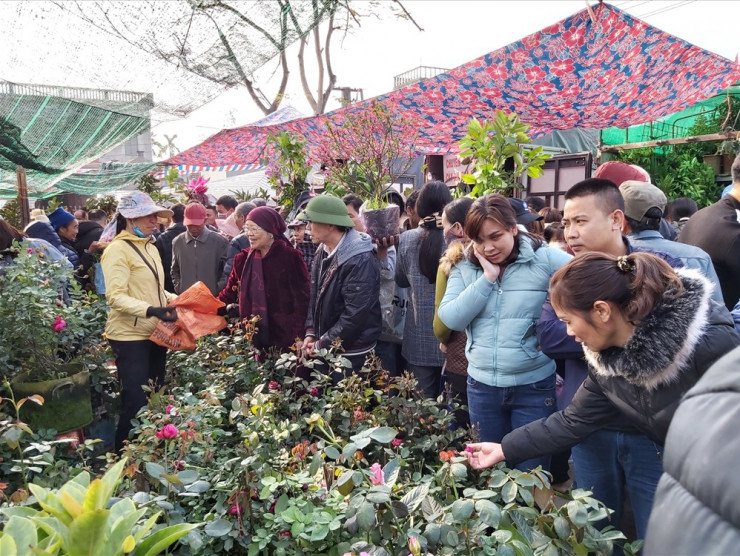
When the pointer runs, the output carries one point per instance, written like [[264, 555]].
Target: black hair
[[457, 210], [433, 198], [211, 207], [8, 234], [536, 204], [120, 223], [683, 207], [412, 198], [554, 232], [350, 199], [228, 201], [651, 221], [97, 214], [395, 198], [178, 213], [608, 197]]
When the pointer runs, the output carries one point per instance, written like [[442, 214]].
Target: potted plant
[[496, 149], [49, 329], [287, 170], [366, 153]]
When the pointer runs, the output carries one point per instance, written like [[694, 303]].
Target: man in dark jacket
[[716, 229], [619, 457], [164, 244], [86, 243], [695, 510], [345, 284]]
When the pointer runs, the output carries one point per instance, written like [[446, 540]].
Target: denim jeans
[[608, 462], [428, 378], [496, 411]]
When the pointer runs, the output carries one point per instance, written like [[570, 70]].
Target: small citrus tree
[[498, 158]]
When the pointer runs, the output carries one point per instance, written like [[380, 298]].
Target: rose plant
[[306, 468]]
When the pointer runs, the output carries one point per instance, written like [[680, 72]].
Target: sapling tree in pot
[[498, 156], [366, 153]]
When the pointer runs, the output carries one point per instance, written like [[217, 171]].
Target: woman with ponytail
[[419, 251], [495, 293], [649, 332]]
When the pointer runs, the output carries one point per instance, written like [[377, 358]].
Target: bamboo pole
[[25, 211]]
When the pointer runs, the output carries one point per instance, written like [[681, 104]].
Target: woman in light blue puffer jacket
[[495, 294]]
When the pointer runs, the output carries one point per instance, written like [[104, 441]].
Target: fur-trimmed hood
[[454, 254], [663, 343]]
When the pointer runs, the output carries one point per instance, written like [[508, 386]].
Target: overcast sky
[[454, 33]]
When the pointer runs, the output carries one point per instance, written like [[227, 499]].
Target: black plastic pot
[[381, 223]]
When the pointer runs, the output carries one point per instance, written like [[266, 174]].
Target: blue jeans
[[608, 462], [429, 379], [496, 411]]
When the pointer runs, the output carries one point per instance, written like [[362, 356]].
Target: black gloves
[[166, 314]]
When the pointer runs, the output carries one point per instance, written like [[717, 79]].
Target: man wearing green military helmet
[[345, 284]]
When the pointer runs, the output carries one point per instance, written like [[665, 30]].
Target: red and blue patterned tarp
[[598, 68]]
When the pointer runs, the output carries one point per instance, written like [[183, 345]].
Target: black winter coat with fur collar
[[644, 380]]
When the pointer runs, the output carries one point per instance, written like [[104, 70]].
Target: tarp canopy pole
[[721, 136]]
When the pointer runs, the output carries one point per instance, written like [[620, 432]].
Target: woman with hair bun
[[649, 332]]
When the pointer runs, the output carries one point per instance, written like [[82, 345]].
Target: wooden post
[[23, 208]]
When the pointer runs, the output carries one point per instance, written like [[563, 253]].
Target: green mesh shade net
[[52, 137], [673, 126]]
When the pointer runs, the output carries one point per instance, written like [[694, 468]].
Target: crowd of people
[[564, 336]]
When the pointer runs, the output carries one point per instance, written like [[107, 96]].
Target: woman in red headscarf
[[270, 280]]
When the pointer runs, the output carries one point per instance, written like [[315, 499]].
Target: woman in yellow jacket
[[134, 281]]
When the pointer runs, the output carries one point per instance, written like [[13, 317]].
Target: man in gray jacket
[[643, 208], [199, 254]]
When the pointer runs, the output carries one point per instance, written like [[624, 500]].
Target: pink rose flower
[[396, 442], [314, 391], [235, 509], [29, 251], [170, 410], [169, 431], [59, 324], [377, 477], [273, 385]]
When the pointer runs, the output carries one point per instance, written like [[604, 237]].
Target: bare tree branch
[[407, 14]]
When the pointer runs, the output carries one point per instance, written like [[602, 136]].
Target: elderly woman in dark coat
[[270, 280]]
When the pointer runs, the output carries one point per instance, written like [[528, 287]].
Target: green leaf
[[489, 512], [399, 509], [508, 493], [526, 480], [331, 452], [462, 509], [498, 479], [384, 435], [23, 532], [577, 513], [319, 533], [7, 545], [379, 494], [158, 542], [345, 483], [188, 476], [87, 533], [458, 470], [366, 516], [218, 528], [282, 504], [154, 469], [562, 527], [349, 450], [198, 486], [390, 472], [415, 496]]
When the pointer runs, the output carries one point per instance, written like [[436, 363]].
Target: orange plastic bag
[[196, 316]]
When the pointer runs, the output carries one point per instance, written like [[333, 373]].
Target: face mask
[[450, 236], [139, 233]]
